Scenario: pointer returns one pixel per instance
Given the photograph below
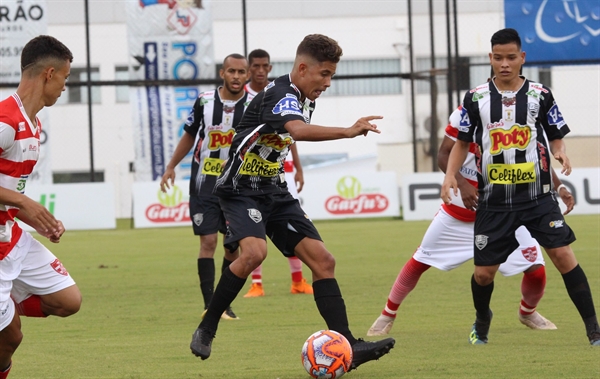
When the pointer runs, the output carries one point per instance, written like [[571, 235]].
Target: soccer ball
[[326, 354]]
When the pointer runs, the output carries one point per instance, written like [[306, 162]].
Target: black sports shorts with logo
[[495, 230], [207, 217], [278, 216]]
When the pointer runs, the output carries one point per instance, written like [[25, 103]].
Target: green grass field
[[142, 303]]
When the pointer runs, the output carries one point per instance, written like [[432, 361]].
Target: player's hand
[[40, 218], [449, 185], [364, 126], [564, 161], [169, 175], [55, 237], [469, 195], [567, 198], [299, 179]]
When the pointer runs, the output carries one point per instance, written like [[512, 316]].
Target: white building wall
[[369, 29]]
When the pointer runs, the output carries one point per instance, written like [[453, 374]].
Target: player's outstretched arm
[[468, 193], [31, 212], [457, 158], [309, 132], [299, 175], [559, 151], [563, 192], [183, 147]]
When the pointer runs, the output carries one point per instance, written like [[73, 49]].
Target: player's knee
[[10, 342], [483, 278], [69, 306], [327, 263]]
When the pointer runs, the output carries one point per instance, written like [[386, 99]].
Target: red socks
[[532, 289], [405, 282], [30, 307], [4, 374]]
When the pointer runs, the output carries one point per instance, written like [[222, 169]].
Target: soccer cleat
[[381, 326], [536, 321], [229, 315], [595, 342], [365, 351], [256, 290], [480, 330], [301, 287], [202, 342]]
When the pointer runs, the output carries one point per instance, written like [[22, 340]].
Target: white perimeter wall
[[577, 89]]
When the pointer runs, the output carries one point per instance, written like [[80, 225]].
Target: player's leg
[[299, 284], [10, 335], [206, 266], [256, 289], [529, 260], [493, 242], [228, 259], [249, 236], [447, 243], [547, 225]]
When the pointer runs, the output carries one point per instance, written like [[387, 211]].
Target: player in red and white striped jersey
[[448, 243], [260, 67], [33, 282]]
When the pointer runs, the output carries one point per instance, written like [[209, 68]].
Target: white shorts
[[29, 269], [448, 243]]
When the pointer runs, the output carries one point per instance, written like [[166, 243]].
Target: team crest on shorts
[[58, 267], [198, 218], [481, 241], [255, 215], [530, 253]]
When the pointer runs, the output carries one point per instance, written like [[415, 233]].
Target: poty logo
[[516, 137], [218, 139], [351, 201], [171, 207]]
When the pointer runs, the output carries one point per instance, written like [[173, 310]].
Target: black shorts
[[207, 217], [495, 231], [278, 216]]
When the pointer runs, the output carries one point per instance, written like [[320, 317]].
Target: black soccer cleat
[[202, 342], [480, 330], [365, 351]]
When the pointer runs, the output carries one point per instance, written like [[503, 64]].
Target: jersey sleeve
[[194, 120], [7, 136], [551, 118], [467, 119], [453, 123], [280, 107]]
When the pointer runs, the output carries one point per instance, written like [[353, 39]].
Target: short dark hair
[[506, 36], [320, 47], [258, 53], [234, 56], [42, 48]]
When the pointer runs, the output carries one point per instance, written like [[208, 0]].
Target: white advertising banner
[[421, 193], [168, 39], [348, 195], [20, 21], [155, 209], [79, 206]]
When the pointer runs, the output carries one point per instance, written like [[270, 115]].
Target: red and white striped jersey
[[19, 152], [468, 170]]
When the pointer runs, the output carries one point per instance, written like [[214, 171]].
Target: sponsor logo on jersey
[[517, 173], [218, 140], [21, 126], [255, 215], [254, 165], [557, 224], [555, 117], [509, 101], [288, 105], [530, 253], [465, 122], [534, 109], [58, 267], [539, 88], [275, 141], [351, 201], [479, 95], [495, 125], [213, 166], [516, 137], [535, 95], [198, 218], [480, 87], [543, 157], [481, 241]]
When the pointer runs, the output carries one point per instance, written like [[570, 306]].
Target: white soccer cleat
[[536, 321], [381, 326]]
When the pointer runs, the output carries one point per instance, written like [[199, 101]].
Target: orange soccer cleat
[[256, 290], [301, 287]]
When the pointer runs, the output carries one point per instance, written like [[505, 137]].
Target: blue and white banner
[[556, 30], [20, 21], [168, 39]]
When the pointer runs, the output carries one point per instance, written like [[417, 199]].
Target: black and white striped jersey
[[512, 130], [212, 122], [261, 142]]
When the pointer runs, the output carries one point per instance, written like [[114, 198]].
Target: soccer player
[[33, 282], [209, 129], [448, 243], [257, 204], [260, 67], [517, 126]]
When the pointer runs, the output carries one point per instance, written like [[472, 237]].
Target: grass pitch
[[142, 303]]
